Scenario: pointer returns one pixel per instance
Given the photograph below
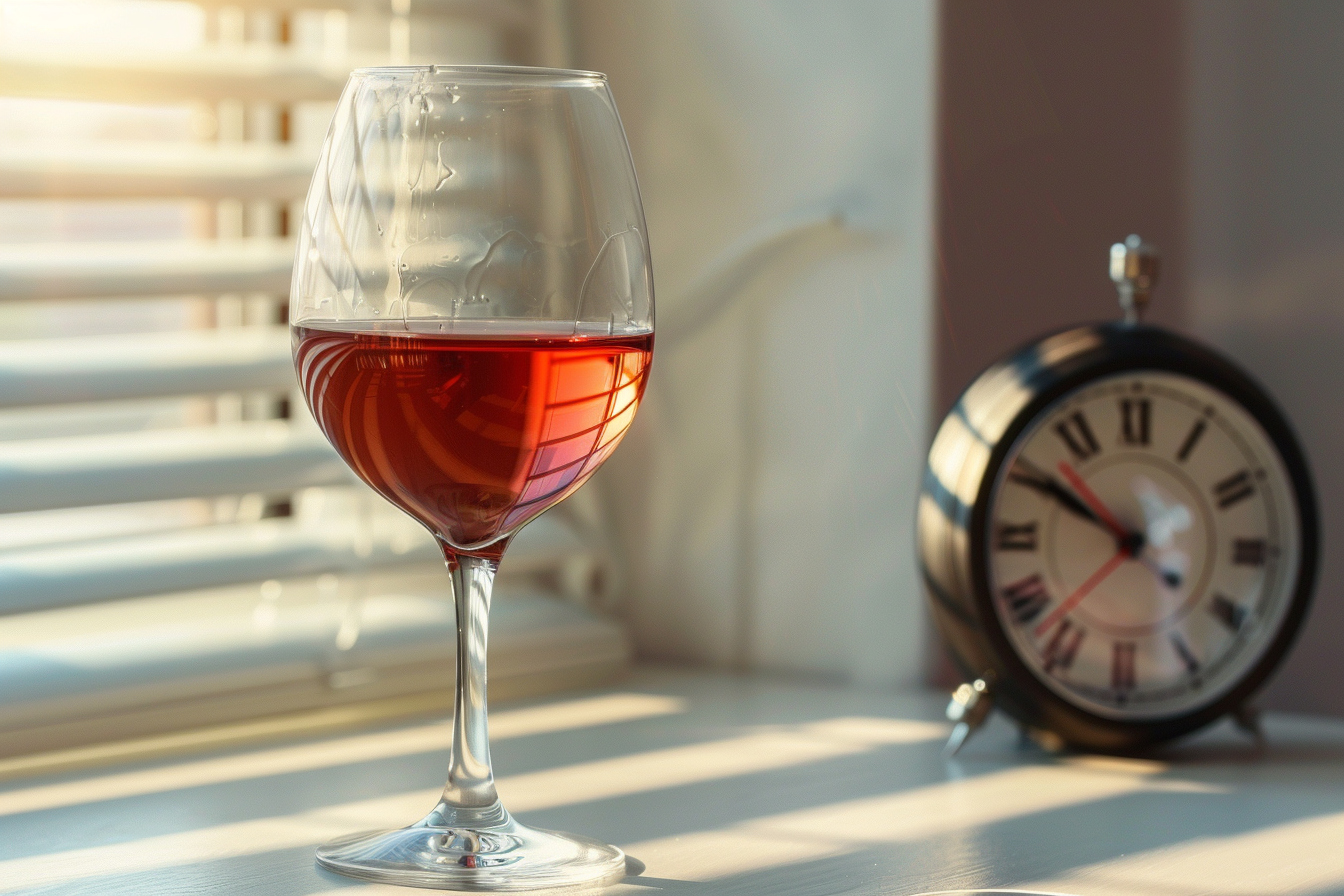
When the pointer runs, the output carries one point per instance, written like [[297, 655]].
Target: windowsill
[[716, 784], [139, 678]]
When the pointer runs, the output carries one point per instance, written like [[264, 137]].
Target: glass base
[[498, 855]]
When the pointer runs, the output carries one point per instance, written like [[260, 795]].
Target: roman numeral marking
[[1026, 598], [1234, 488], [1227, 612], [1015, 536], [1122, 666], [1191, 440], [1135, 416], [1249, 551], [1078, 436], [1062, 648], [1185, 653]]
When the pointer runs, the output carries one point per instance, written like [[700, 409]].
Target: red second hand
[[1083, 591], [1090, 498]]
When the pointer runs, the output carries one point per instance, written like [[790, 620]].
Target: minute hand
[[1089, 497], [1047, 485]]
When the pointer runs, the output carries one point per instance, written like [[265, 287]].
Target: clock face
[[1143, 545]]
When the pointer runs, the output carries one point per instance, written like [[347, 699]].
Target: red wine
[[472, 435]]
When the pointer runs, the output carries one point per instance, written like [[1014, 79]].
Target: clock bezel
[[1044, 372], [1221, 671]]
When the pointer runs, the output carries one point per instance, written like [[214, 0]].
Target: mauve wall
[[1266, 262], [1215, 128], [1061, 130]]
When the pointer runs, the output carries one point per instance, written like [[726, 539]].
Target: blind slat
[[508, 13], [273, 456], [85, 573], [110, 368], [247, 72], [179, 267], [66, 575], [135, 170]]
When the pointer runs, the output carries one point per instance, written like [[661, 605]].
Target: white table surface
[[719, 785]]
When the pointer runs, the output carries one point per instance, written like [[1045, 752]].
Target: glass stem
[[471, 783]]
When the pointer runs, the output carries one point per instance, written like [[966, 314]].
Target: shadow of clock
[[990, 893], [1288, 743]]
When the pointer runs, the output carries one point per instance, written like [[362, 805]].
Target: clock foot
[[968, 709]]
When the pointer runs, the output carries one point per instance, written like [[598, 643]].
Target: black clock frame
[[953, 544]]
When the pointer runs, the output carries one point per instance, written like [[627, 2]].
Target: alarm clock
[[1117, 533]]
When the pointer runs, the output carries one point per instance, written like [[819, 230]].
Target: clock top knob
[[1134, 268]]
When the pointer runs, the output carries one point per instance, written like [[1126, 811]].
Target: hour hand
[[1025, 473], [1172, 573]]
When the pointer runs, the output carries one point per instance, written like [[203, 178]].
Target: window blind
[[178, 543]]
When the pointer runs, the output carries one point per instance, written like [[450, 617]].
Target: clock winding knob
[[1134, 268]]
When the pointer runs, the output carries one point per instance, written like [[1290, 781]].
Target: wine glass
[[472, 324]]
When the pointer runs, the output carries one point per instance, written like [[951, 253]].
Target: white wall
[[765, 497]]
